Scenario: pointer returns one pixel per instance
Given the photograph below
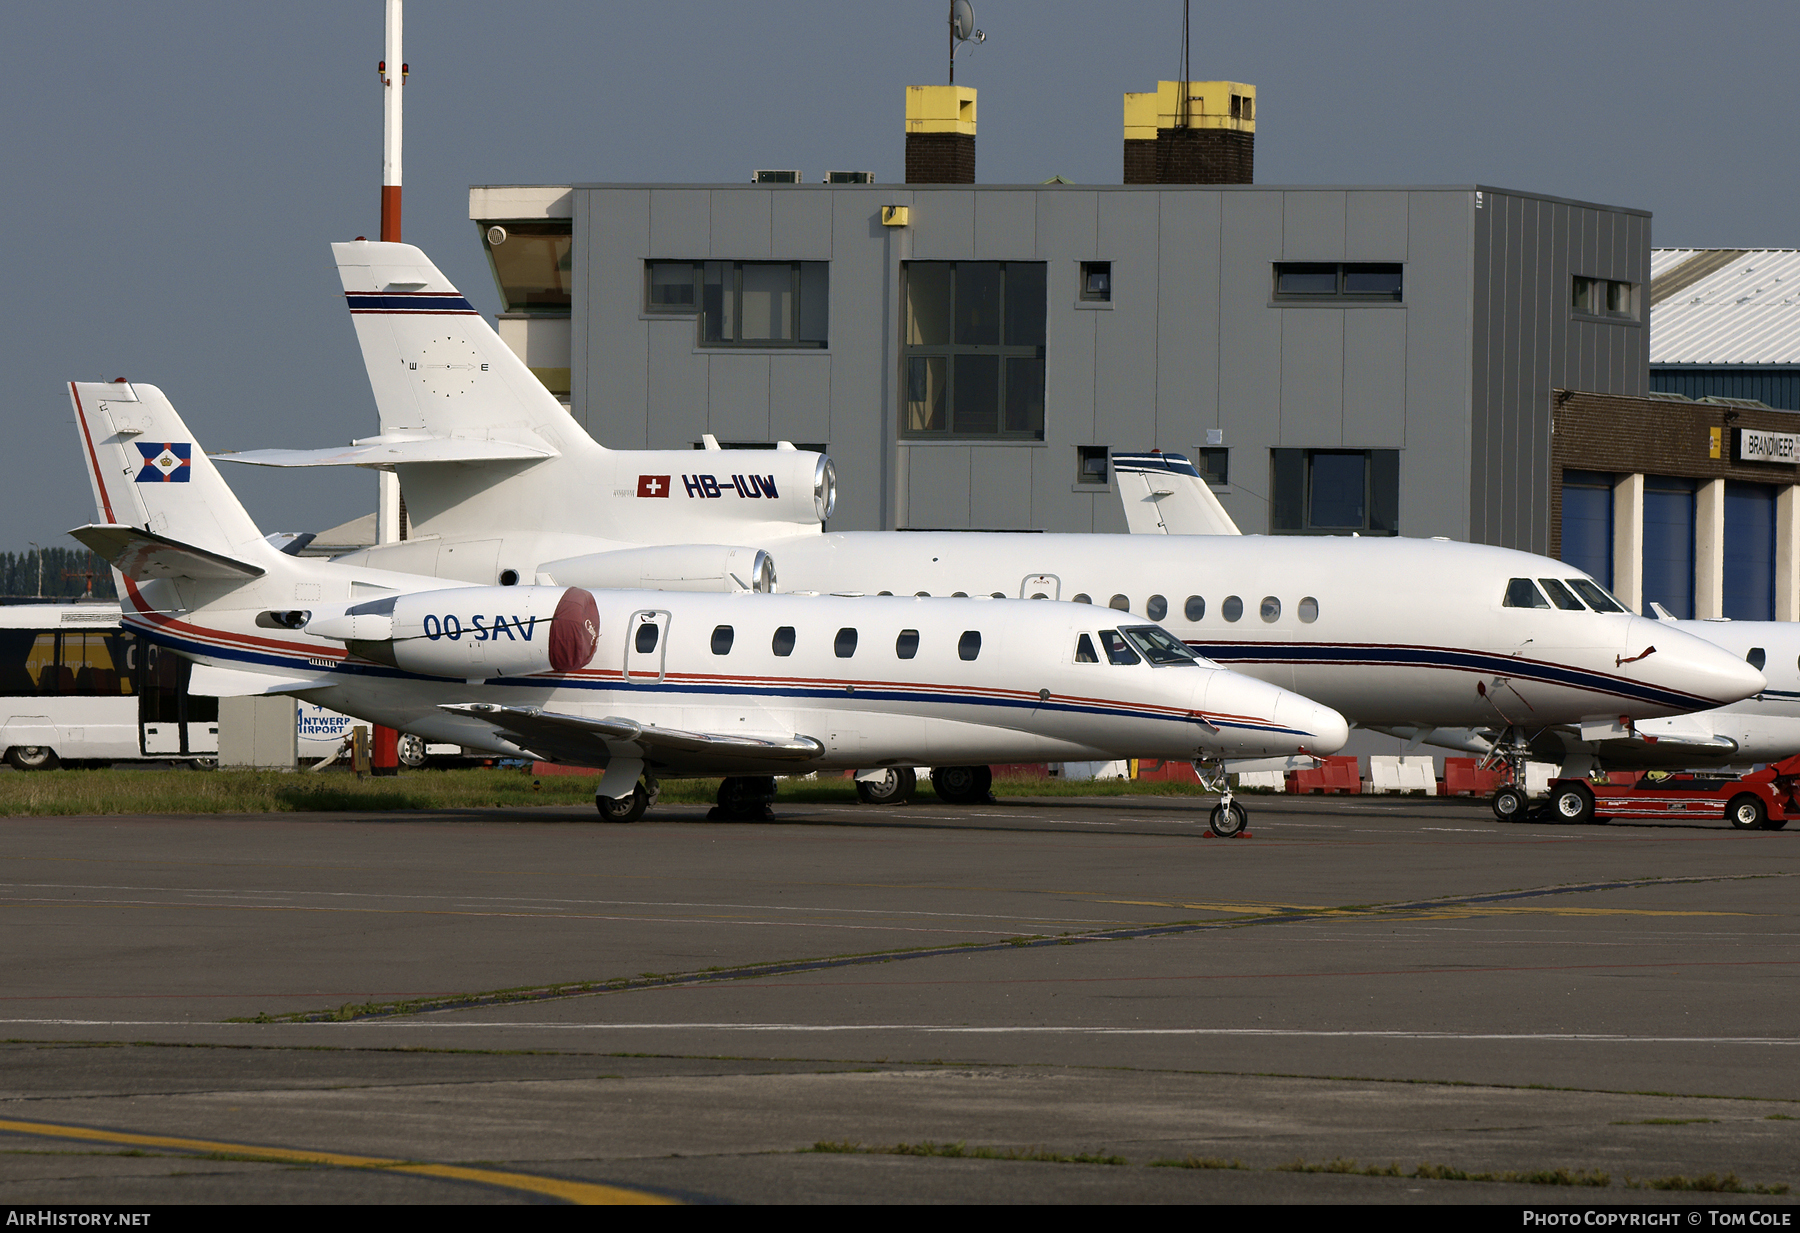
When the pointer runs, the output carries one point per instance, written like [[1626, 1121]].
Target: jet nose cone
[[1325, 729], [1658, 653]]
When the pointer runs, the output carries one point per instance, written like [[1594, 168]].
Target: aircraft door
[[646, 645], [1040, 586]]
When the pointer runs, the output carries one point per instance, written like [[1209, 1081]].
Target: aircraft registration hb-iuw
[[1403, 635], [649, 684]]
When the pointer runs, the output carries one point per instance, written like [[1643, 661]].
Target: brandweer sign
[[1755, 445]]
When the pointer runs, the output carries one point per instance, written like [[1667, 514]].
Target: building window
[[1334, 492], [1215, 465], [1096, 282], [1338, 282], [1603, 297], [1669, 544], [744, 303], [1091, 464], [1587, 523], [974, 350], [533, 263]]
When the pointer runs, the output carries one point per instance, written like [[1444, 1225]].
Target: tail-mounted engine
[[470, 632]]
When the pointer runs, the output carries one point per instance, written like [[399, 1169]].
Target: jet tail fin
[[151, 479], [434, 362], [1164, 494]]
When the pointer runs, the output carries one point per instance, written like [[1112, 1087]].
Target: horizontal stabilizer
[[144, 555], [579, 739], [211, 681], [374, 452]]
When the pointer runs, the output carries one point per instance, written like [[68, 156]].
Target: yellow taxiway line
[[554, 1187]]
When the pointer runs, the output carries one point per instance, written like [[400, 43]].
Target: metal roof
[[1724, 306]]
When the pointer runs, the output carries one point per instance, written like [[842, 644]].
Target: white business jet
[[648, 684], [1401, 634], [1165, 494]]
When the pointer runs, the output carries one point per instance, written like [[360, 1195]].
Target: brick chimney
[[1212, 141], [940, 135]]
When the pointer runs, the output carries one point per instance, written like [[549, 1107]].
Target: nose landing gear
[[1228, 818]]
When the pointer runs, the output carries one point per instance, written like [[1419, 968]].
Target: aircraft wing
[[1165, 494], [584, 741], [376, 453], [144, 555]]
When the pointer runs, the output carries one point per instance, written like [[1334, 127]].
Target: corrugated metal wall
[[1528, 342]]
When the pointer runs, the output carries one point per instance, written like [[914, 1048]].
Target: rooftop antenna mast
[[962, 30], [1182, 112]]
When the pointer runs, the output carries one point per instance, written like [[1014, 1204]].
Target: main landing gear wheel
[[410, 750], [744, 798], [1509, 805], [32, 757], [625, 808], [1228, 820], [963, 785], [895, 787], [1747, 812], [1573, 804]]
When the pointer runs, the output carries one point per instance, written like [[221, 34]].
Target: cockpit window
[[1084, 650], [1159, 646], [1523, 593], [1756, 658], [1559, 595], [1118, 651], [1595, 595]]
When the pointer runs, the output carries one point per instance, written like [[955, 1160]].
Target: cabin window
[[1522, 593], [969, 645], [921, 594], [1308, 610], [1156, 607], [844, 645], [1194, 609], [1559, 595], [1118, 651], [1082, 598], [997, 595], [907, 644], [1270, 611], [959, 595], [1119, 602], [1756, 658], [1595, 595], [721, 639], [1084, 650], [783, 641], [1232, 609], [646, 637]]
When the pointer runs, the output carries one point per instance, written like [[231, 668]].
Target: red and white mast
[[393, 81]]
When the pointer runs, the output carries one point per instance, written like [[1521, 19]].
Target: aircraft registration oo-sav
[[1403, 635], [648, 684]]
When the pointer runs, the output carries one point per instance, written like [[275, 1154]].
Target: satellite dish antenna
[[962, 30]]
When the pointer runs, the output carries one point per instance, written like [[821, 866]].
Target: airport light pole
[[386, 751]]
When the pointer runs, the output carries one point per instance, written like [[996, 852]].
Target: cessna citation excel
[[1404, 635], [650, 684]]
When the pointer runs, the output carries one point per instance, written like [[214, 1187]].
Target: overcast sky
[[174, 172]]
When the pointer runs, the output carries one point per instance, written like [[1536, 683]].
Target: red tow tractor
[[1761, 800]]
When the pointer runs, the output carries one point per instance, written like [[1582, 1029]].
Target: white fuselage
[[1765, 727], [1022, 696]]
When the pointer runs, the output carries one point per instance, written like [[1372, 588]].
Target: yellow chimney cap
[[1211, 104], [940, 109]]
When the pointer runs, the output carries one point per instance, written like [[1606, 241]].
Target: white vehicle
[[1406, 635], [75, 687], [650, 684]]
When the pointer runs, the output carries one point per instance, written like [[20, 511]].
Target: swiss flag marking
[[653, 486]]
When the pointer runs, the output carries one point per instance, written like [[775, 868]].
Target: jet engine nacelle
[[471, 632], [672, 567]]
